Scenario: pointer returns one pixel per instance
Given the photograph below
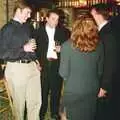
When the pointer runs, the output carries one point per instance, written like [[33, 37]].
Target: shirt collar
[[15, 22], [50, 28], [101, 25]]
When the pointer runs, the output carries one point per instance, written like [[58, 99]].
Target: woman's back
[[82, 70]]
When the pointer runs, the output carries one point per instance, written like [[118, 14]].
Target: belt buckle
[[20, 61], [51, 59], [24, 61]]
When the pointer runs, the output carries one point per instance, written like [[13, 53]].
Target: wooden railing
[[79, 3]]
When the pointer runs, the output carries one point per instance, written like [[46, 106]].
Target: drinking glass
[[57, 43], [32, 41]]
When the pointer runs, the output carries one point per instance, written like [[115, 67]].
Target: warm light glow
[[79, 3], [118, 2], [83, 2], [38, 16]]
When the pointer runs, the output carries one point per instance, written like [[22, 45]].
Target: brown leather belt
[[51, 59], [22, 61]]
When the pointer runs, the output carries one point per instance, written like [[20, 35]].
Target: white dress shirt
[[101, 25], [51, 53]]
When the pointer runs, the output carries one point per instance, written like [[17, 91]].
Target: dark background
[[41, 3]]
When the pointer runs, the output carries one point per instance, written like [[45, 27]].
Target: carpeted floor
[[5, 109]]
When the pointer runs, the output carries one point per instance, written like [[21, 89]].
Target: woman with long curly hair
[[81, 67]]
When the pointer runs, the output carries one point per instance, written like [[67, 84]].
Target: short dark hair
[[102, 9], [56, 11], [21, 4]]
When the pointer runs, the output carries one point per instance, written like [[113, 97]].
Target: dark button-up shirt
[[13, 36]]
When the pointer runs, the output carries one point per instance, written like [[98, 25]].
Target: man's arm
[[64, 62], [9, 51], [109, 61]]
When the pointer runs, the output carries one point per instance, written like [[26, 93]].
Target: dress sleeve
[[64, 69], [100, 61]]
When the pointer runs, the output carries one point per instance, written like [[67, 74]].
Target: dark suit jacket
[[42, 42], [116, 31], [109, 42]]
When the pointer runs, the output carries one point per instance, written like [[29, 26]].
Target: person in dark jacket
[[100, 13], [49, 40], [81, 66], [116, 82]]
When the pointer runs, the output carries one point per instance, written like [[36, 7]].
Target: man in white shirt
[[49, 40]]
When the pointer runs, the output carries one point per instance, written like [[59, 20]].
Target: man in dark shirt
[[22, 68]]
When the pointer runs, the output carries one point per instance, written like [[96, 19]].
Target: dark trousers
[[51, 88], [104, 108], [116, 98], [108, 108]]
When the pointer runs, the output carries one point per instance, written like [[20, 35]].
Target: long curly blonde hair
[[84, 34]]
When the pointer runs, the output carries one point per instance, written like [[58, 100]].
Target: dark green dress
[[82, 73]]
